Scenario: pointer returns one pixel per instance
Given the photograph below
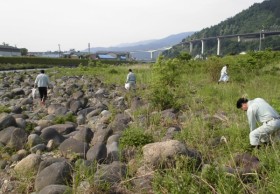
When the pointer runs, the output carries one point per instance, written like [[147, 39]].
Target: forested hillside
[[259, 17]]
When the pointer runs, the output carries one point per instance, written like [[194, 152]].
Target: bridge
[[257, 35], [152, 52]]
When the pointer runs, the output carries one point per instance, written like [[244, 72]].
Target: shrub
[[113, 71], [214, 66], [135, 137], [4, 109], [167, 76], [62, 119], [30, 126]]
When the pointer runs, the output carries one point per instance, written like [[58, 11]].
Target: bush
[[135, 137], [214, 66], [62, 119], [4, 109], [167, 77]]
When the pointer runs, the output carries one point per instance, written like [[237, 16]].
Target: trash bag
[[33, 93], [127, 86]]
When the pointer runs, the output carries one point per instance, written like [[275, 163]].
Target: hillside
[[260, 16], [145, 45]]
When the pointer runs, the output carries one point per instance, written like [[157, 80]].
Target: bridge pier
[[191, 46], [218, 46], [202, 47], [152, 54]]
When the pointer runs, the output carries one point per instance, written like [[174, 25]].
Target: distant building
[[47, 54], [9, 51], [75, 54], [111, 55]]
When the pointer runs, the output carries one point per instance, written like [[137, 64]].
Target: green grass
[[198, 90]]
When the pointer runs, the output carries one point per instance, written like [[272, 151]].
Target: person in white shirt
[[42, 82], [131, 79], [259, 112], [224, 74]]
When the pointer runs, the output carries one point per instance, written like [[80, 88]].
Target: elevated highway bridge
[[256, 35]]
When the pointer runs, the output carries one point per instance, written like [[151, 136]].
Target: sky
[[47, 25]]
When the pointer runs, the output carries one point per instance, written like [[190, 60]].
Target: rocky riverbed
[[35, 147]]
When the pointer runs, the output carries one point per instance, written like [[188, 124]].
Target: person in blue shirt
[[260, 112], [42, 81]]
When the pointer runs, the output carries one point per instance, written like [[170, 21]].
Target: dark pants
[[43, 93]]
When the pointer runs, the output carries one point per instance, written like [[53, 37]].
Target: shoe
[[266, 144]]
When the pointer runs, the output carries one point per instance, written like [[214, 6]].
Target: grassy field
[[196, 94], [251, 76]]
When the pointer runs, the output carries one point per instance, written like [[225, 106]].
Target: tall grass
[[252, 75]]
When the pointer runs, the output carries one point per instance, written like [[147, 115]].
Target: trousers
[[262, 133]]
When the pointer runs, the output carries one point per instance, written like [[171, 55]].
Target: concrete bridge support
[[202, 47], [191, 46], [218, 46], [152, 54]]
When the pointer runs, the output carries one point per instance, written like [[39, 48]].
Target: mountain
[[139, 50], [263, 16]]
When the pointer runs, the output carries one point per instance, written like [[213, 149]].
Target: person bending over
[[259, 112]]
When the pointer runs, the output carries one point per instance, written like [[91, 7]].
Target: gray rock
[[39, 147], [34, 139], [56, 189], [60, 174], [28, 164], [51, 134], [7, 120], [164, 153], [62, 129], [21, 123], [111, 173], [81, 119], [101, 135], [17, 91], [13, 137], [98, 152], [112, 152], [84, 135], [57, 109], [85, 111], [73, 146]]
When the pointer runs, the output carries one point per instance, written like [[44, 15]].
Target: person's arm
[[127, 78], [251, 112]]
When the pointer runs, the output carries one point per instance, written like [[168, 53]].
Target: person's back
[[131, 79], [42, 80], [263, 111]]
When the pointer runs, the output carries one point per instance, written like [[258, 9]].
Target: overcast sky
[[42, 25]]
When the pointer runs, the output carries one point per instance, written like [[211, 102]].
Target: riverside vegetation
[[181, 104]]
